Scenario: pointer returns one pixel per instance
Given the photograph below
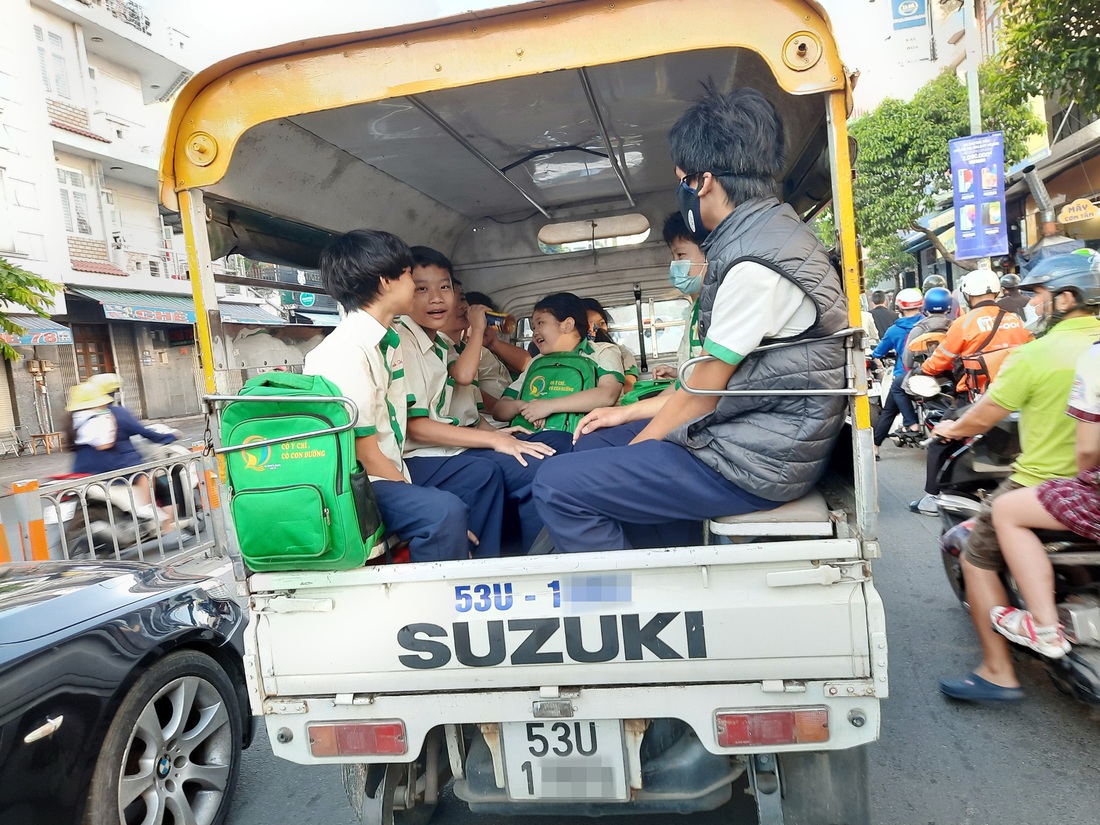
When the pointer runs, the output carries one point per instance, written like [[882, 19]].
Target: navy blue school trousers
[[477, 483], [587, 498], [611, 436], [432, 521], [519, 480]]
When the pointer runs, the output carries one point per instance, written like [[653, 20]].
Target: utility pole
[[973, 57]]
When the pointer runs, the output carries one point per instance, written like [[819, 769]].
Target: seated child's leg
[[480, 486], [611, 436], [586, 498], [433, 522], [1016, 515], [518, 481]]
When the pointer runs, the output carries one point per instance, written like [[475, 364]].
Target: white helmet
[[909, 298], [980, 282]]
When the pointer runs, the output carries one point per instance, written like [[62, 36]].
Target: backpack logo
[[256, 459], [537, 387]]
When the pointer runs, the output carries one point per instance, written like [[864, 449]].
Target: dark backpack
[[302, 503], [552, 376]]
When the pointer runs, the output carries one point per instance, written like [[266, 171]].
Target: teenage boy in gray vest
[[768, 280]]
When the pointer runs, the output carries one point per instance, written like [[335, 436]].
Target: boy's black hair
[[878, 297], [426, 256], [595, 306], [737, 137], [675, 228], [564, 305], [481, 298], [353, 265]]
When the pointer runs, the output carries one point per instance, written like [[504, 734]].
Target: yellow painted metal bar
[[194, 235], [845, 217], [219, 105]]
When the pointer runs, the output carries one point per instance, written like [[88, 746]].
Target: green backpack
[[645, 389], [304, 503], [552, 376]]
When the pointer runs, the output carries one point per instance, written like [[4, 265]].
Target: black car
[[122, 695]]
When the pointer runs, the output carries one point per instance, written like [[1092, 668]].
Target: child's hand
[[538, 410], [664, 372], [475, 314], [512, 446], [600, 418]]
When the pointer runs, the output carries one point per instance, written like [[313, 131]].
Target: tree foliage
[[1052, 48], [25, 289], [903, 164]]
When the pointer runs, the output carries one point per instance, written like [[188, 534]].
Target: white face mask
[[679, 275]]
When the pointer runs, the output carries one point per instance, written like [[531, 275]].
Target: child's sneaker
[[1018, 626]]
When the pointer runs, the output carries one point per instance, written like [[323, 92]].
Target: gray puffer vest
[[774, 446]]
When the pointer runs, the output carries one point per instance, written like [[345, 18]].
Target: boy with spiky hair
[[768, 280]]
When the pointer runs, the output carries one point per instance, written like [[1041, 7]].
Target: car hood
[[40, 598]]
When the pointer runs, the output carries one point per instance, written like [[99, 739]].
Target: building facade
[[85, 90]]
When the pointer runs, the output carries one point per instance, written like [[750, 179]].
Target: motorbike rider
[[100, 431], [883, 316], [975, 345], [1036, 380], [937, 281], [909, 303], [937, 303], [1013, 300]]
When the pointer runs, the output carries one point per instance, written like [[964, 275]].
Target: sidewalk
[[18, 468]]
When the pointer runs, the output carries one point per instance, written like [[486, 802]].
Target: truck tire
[[825, 787], [174, 746]]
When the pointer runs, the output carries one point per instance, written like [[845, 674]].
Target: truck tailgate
[[783, 610]]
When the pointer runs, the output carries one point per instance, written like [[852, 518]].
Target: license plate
[[50, 512], [565, 759]]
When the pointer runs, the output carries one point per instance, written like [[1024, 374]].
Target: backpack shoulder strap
[[996, 325]]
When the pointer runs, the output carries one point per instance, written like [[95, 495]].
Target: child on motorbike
[[1058, 504]]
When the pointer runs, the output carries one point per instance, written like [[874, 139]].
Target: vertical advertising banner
[[978, 178], [911, 30]]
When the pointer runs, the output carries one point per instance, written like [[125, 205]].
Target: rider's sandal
[[1018, 626]]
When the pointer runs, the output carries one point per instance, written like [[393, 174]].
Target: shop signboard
[[977, 175]]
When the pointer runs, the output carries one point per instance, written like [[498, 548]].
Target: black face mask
[[688, 199]]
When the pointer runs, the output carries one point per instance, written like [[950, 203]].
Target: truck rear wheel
[[825, 787]]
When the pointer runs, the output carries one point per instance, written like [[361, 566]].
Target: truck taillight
[[357, 738], [772, 727]]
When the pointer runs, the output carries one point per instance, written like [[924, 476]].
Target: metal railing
[[129, 12], [110, 516]]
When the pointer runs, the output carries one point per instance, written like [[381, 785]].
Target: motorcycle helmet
[[933, 281], [1077, 272], [106, 381], [937, 301], [909, 299], [87, 396], [980, 282], [1010, 281]]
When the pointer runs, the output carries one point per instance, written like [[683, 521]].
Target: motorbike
[[970, 474], [103, 518], [933, 397]]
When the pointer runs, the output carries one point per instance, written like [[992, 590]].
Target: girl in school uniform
[[571, 375]]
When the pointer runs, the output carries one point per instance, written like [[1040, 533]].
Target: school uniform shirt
[[742, 319], [1084, 398], [630, 363], [493, 379], [691, 345], [364, 359], [465, 401], [607, 358], [430, 390]]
